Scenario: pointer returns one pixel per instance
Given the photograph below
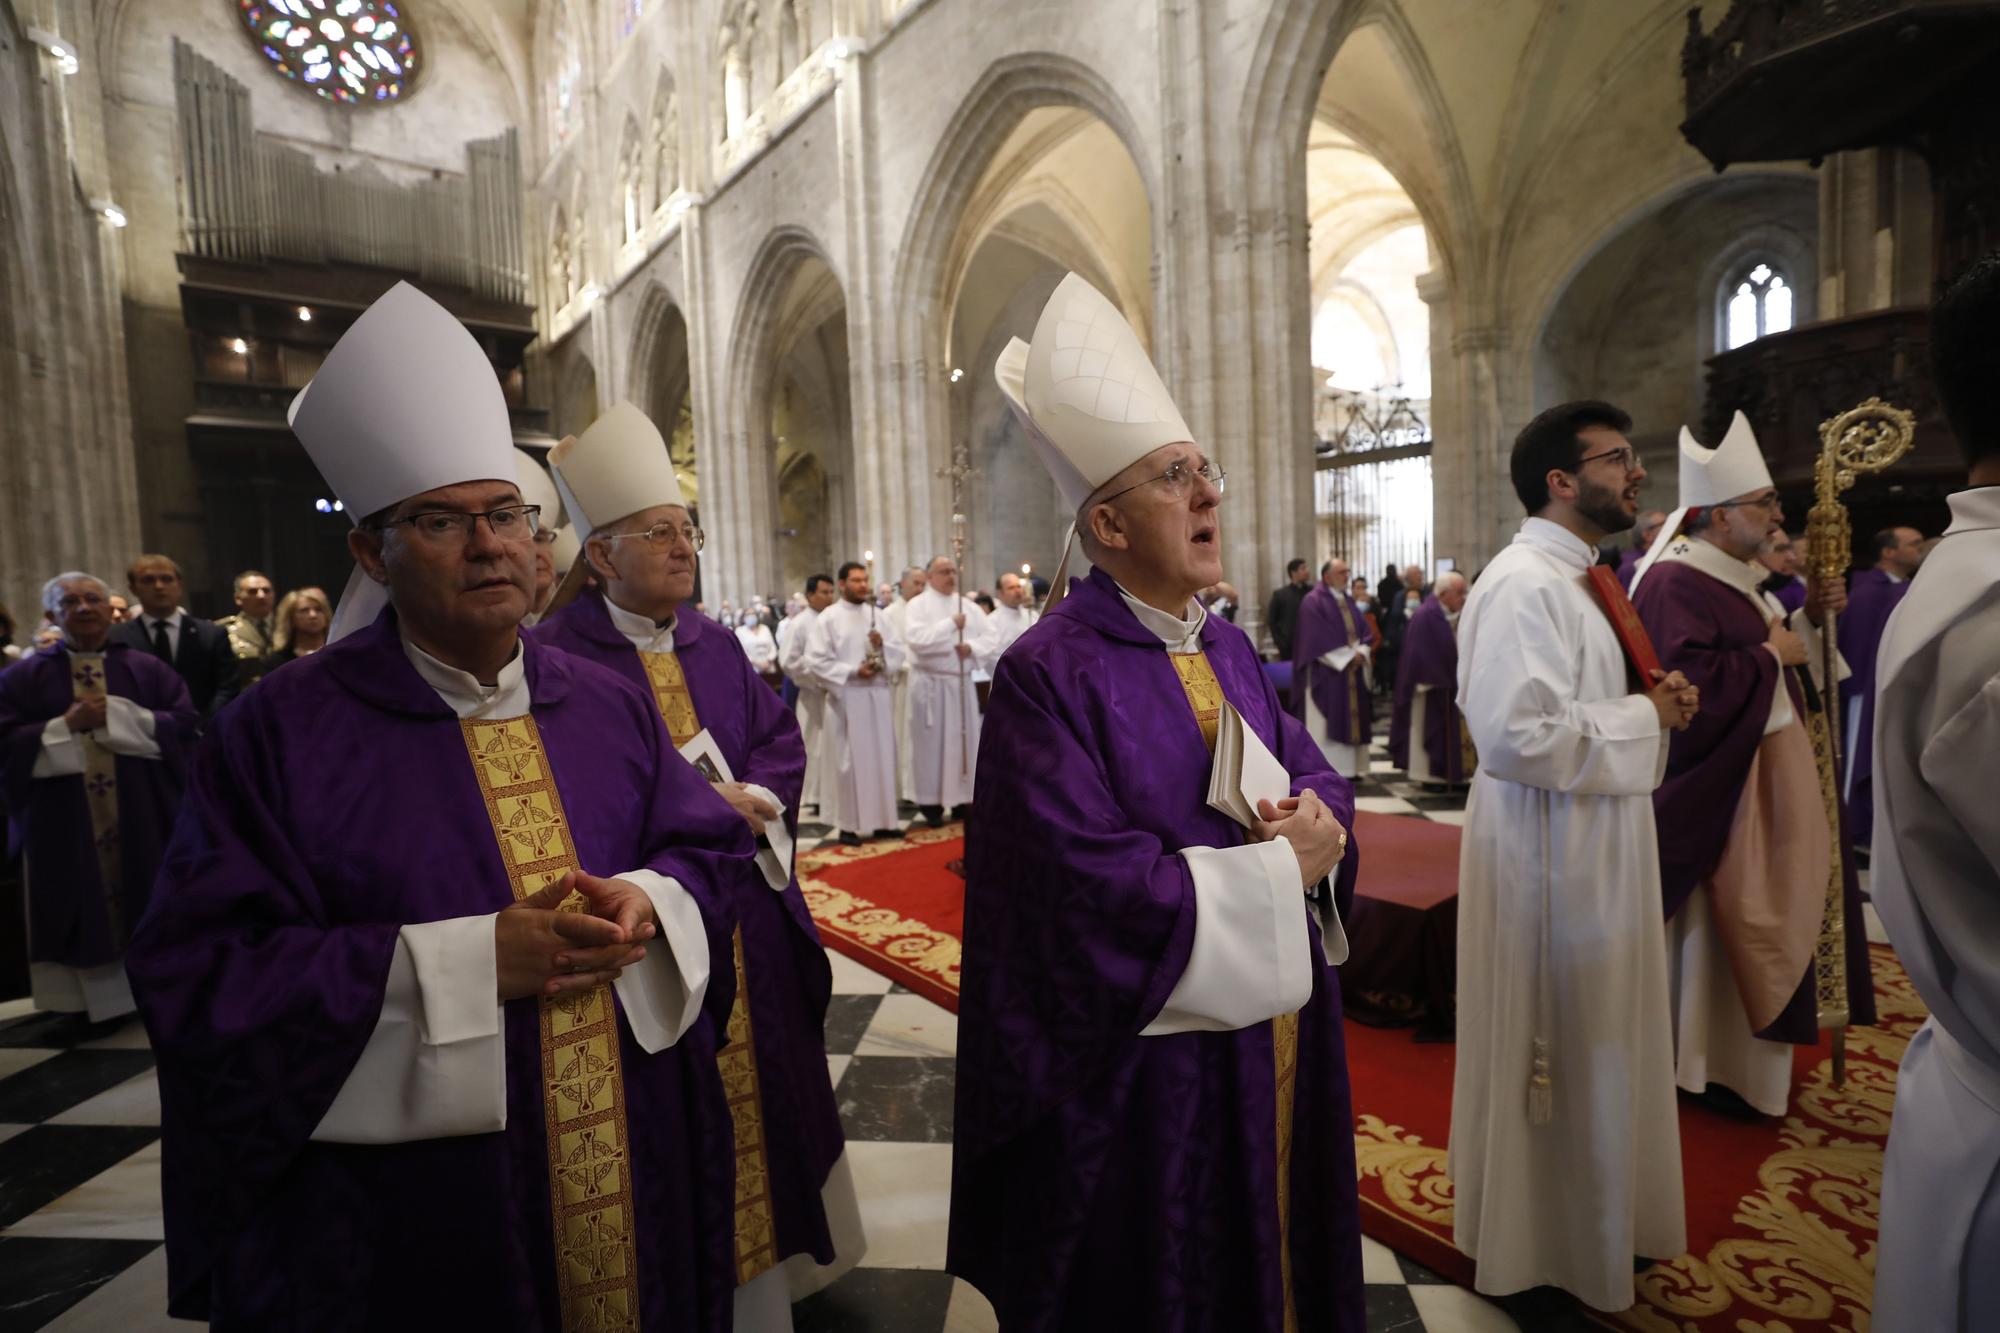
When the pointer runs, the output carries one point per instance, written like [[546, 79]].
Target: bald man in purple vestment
[[1872, 597], [94, 737], [1330, 655], [1427, 737]]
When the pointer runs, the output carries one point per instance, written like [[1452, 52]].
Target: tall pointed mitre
[[1088, 397], [618, 467], [1708, 477], [405, 402], [537, 489]]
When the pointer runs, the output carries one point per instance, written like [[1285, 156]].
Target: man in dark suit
[[1283, 615], [198, 649]]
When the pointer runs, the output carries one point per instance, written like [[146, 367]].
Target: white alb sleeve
[[1251, 959], [129, 729], [776, 860], [61, 755], [663, 994], [436, 1065]]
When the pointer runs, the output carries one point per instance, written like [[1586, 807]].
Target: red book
[[1625, 622]]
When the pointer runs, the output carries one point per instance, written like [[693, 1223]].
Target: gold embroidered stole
[[100, 794], [583, 1086], [1205, 697], [756, 1228], [1353, 673]]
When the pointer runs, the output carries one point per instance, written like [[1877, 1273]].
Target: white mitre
[[616, 468], [406, 402], [537, 489], [1709, 477], [564, 549], [1086, 392]]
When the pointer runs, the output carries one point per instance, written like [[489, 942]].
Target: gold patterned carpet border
[[894, 906]]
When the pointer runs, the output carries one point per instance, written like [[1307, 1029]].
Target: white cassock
[[1560, 938], [102, 991], [793, 631], [436, 1064], [1010, 623], [899, 688], [858, 791], [1713, 1039], [944, 697], [1936, 883]]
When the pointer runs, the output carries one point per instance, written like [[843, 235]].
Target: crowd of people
[[471, 896]]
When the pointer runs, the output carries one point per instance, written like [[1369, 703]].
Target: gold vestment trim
[[1205, 697], [583, 1082], [100, 794], [756, 1226]]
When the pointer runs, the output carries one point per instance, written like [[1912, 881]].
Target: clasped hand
[[756, 811], [1674, 699], [540, 951], [87, 714], [1309, 828]]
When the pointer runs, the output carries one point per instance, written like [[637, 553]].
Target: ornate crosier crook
[[1860, 441]]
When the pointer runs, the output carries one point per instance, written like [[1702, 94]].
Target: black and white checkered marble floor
[[80, 1229]]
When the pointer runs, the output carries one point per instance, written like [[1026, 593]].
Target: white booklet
[[1245, 771], [775, 859]]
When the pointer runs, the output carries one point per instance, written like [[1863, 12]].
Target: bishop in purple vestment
[[1153, 1122], [1330, 655], [91, 790], [1871, 597], [1428, 668]]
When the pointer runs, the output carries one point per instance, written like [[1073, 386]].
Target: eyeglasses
[[663, 534], [1627, 458], [512, 523], [1180, 479], [1770, 504]]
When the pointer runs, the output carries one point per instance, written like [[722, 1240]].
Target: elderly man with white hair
[[1428, 738], [95, 735]]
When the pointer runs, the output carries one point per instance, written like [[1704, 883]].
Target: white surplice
[[944, 697], [899, 702], [858, 788], [1936, 883], [435, 1066], [1010, 623], [793, 631], [1560, 940]]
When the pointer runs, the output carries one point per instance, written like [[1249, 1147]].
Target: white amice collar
[[1745, 576], [643, 632], [461, 690], [1180, 634], [1557, 539]]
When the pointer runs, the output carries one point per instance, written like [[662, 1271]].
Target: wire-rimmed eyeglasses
[[1179, 479], [663, 533]]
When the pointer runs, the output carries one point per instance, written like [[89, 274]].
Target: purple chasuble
[[1429, 657], [48, 819], [329, 807], [784, 963], [1628, 566], [1790, 591], [1101, 1179], [1871, 597], [1329, 620], [1708, 630]]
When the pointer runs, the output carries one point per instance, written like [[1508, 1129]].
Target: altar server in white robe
[[947, 639], [1014, 614], [793, 633], [907, 587], [1565, 1137], [852, 652], [1936, 874]]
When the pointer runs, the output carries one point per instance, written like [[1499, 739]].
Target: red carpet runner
[[1781, 1216]]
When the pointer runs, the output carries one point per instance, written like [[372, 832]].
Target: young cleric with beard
[[1565, 1137], [1153, 1126]]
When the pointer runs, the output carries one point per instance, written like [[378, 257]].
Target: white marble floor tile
[[122, 1203], [133, 1102], [1452, 817], [850, 978], [9, 1131], [20, 1008], [1378, 1263], [969, 1312], [1876, 933], [1456, 1310], [1384, 805], [133, 1302], [836, 1065], [13, 1059], [131, 1037], [910, 1025], [905, 1194]]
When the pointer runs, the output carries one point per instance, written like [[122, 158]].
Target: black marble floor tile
[[40, 1165], [897, 1099], [877, 1300], [56, 1084], [1416, 1274], [1392, 1310], [847, 1019], [45, 1029], [41, 1276], [1425, 800]]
